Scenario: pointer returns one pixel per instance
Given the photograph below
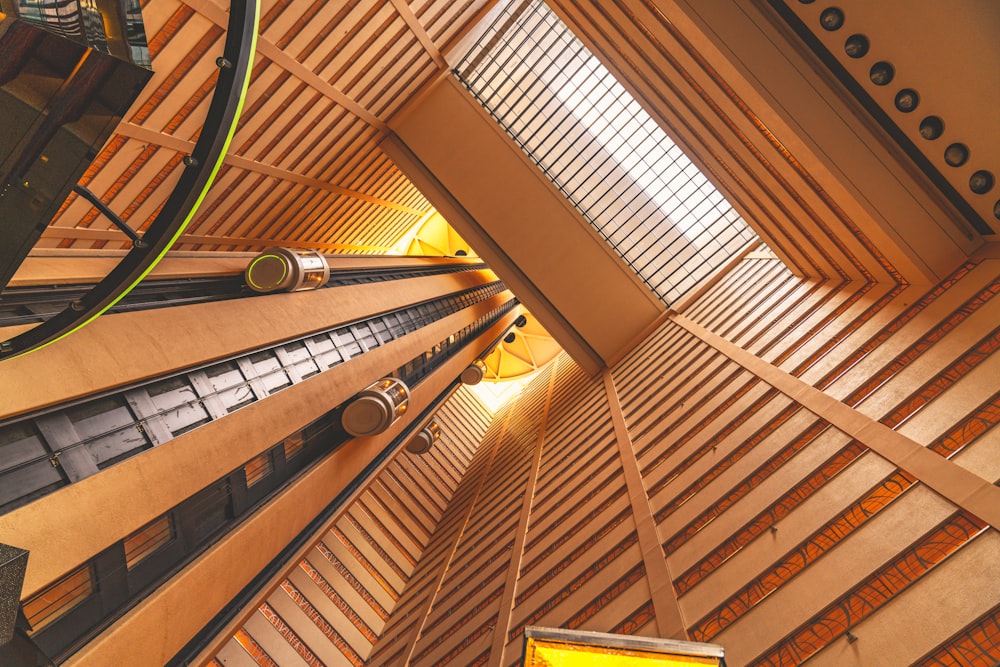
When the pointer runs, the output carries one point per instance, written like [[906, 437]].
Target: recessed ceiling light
[[931, 128], [956, 154], [907, 100], [881, 73], [981, 182], [831, 19], [856, 46]]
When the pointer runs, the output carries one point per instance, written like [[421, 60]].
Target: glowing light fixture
[[552, 647]]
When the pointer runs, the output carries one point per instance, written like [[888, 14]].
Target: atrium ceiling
[[304, 169]]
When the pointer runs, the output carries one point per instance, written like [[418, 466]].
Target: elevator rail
[[30, 305], [107, 585]]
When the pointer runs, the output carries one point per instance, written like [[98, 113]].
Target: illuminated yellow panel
[[530, 348], [432, 236], [545, 653]]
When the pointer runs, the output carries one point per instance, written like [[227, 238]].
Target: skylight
[[602, 149]]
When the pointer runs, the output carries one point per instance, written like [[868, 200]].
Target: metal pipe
[[109, 214]]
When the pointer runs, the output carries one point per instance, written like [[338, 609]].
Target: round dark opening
[[881, 73], [832, 18], [856, 46], [907, 100], [931, 128], [956, 154], [981, 182]]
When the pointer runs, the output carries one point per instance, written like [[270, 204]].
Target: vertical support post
[[669, 622], [517, 551]]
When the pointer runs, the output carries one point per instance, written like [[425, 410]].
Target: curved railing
[[200, 169]]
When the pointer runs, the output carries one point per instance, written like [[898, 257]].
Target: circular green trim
[[284, 270]]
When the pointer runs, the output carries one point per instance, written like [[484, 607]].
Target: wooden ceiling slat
[[266, 85], [200, 97], [357, 221], [355, 168], [305, 215], [369, 175], [447, 19], [317, 220], [178, 102], [396, 228], [243, 163], [393, 35], [406, 86], [279, 116], [305, 74], [396, 225], [402, 61], [336, 220], [232, 210], [327, 144], [339, 168], [284, 153], [365, 224], [227, 182], [271, 14], [269, 49], [421, 34], [305, 163], [270, 225], [281, 21], [308, 34], [352, 46], [397, 188], [238, 161], [140, 204], [328, 140], [161, 87], [248, 216], [163, 25]]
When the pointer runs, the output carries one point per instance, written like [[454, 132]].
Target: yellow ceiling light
[[432, 236], [553, 647], [522, 351]]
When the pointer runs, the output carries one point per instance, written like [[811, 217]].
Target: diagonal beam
[[959, 486], [118, 237], [273, 52], [418, 31], [149, 136]]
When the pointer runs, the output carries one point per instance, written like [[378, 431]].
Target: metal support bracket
[[109, 214]]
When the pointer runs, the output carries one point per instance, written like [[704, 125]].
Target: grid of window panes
[[602, 150]]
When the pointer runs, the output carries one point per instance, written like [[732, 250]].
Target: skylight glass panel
[[602, 150]]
